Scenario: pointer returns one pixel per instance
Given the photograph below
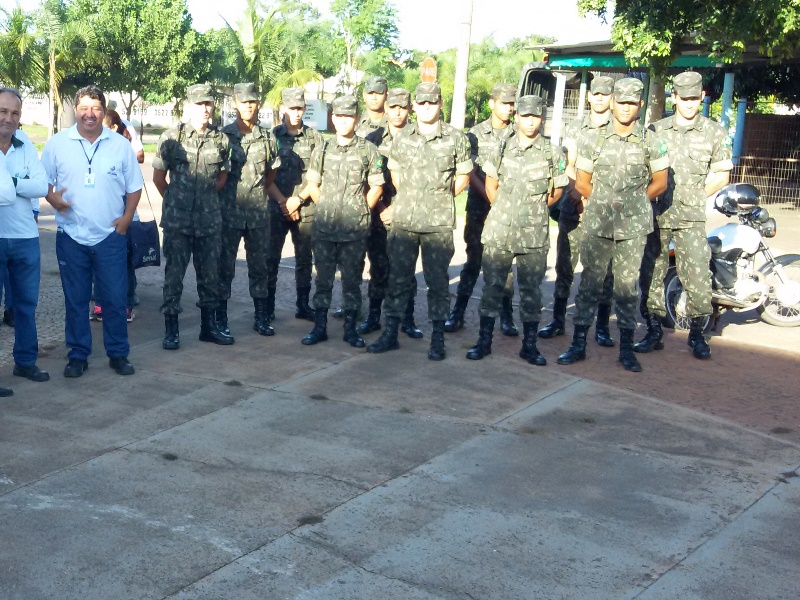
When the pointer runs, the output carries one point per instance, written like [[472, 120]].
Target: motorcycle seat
[[715, 244]]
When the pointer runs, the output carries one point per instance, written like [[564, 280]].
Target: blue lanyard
[[89, 160]]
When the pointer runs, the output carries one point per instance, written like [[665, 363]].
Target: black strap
[[89, 160]]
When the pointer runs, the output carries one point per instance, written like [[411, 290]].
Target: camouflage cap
[[428, 92], [628, 90], [345, 105], [602, 85], [530, 105], [505, 92], [245, 92], [200, 92], [688, 84], [398, 97], [375, 83], [293, 98]]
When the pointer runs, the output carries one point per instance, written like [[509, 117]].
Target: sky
[[433, 24]]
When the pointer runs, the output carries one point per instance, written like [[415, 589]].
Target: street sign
[[428, 71]]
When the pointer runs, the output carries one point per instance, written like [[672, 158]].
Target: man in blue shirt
[[22, 178], [95, 186]]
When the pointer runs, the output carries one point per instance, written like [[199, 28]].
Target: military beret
[[628, 90], [398, 97], [345, 105], [688, 84], [375, 83], [505, 92], [530, 105], [293, 98], [245, 92], [428, 92], [200, 92], [602, 85]]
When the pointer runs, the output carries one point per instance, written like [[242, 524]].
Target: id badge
[[88, 180]]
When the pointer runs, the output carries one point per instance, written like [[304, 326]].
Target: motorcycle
[[773, 289]]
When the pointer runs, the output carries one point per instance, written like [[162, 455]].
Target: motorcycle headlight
[[769, 228]]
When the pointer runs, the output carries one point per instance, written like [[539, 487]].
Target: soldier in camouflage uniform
[[398, 102], [374, 117], [345, 180], [700, 164], [570, 232], [430, 164], [289, 214], [484, 139], [245, 210], [197, 157], [619, 174], [523, 176]]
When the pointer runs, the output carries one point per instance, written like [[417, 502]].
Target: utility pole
[[462, 67]]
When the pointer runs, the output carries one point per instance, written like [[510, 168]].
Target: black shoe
[[304, 311], [75, 367], [437, 350], [626, 354], [350, 335], [320, 331], [6, 392], [456, 320], [602, 334], [388, 339], [260, 318], [407, 325], [557, 326], [209, 332], [8, 317], [373, 320], [700, 347], [529, 351], [31, 372], [577, 349], [652, 339], [507, 326], [172, 340], [121, 365], [338, 313], [221, 315], [484, 345]]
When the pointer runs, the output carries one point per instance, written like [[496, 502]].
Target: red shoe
[[96, 314], [130, 314]]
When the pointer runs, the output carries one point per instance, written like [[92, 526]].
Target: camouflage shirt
[[193, 160], [484, 141], [244, 198], [344, 174], [519, 217], [294, 152], [576, 131], [694, 152], [426, 167], [382, 138], [619, 208], [364, 126]]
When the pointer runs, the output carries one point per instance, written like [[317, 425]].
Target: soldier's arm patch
[[663, 147], [379, 162], [728, 140]]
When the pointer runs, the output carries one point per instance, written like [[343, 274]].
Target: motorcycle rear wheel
[[675, 302], [782, 306]]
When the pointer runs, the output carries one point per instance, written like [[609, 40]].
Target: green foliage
[[365, 25], [22, 61]]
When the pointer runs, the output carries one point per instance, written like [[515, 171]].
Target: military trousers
[[531, 267], [692, 256], [568, 251], [652, 250], [349, 258], [179, 248], [625, 257], [256, 246], [378, 254], [473, 230], [301, 239], [437, 251]]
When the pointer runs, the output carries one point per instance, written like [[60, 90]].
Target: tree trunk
[[55, 97]]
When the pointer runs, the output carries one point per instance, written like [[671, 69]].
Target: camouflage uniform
[[517, 226], [191, 217], [365, 125], [342, 221], [245, 209]]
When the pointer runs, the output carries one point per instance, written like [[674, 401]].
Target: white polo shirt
[[136, 141], [114, 169], [22, 162]]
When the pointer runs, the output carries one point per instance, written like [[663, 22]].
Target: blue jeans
[[21, 258], [104, 262], [5, 288]]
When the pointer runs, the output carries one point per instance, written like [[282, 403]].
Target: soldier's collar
[[438, 133], [698, 124], [636, 133], [587, 121], [17, 143]]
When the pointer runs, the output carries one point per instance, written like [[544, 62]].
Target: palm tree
[[21, 62]]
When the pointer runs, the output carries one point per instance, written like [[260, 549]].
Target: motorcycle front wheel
[[675, 299], [782, 306]]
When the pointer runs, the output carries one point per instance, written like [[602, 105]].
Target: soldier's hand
[[386, 215], [293, 203], [294, 216]]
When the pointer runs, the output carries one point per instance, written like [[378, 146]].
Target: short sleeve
[[47, 162], [314, 173], [225, 149], [658, 149], [559, 174], [375, 173], [585, 160], [722, 159], [162, 161], [464, 164], [274, 160], [473, 145], [133, 174]]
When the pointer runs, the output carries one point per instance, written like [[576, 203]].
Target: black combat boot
[[577, 349], [529, 351], [626, 354], [456, 320], [373, 320], [221, 315], [484, 345], [172, 340], [261, 317], [350, 335], [558, 325], [320, 331], [507, 325], [700, 347], [338, 313], [269, 303], [209, 332], [304, 311], [388, 339], [652, 339], [408, 326], [437, 350], [602, 335]]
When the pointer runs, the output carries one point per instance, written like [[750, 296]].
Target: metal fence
[[770, 159]]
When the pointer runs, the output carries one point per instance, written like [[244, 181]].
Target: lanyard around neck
[[89, 160]]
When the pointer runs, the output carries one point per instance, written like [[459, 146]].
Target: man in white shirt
[[22, 178], [95, 186], [136, 141]]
